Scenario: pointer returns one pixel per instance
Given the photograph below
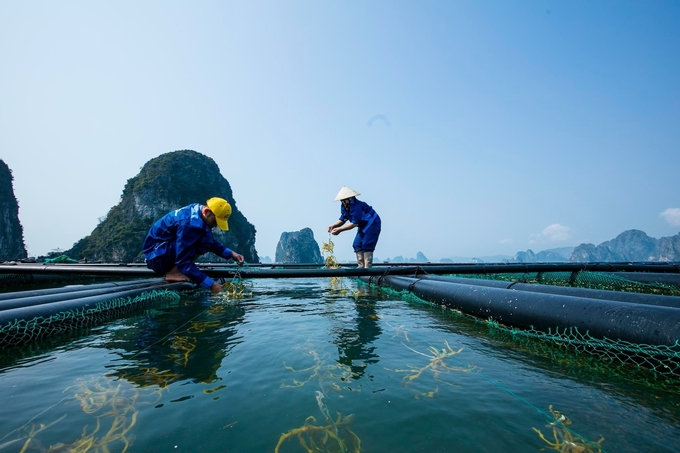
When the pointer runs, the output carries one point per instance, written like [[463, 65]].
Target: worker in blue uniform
[[178, 238], [358, 214]]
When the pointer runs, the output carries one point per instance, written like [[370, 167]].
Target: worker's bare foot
[[176, 276]]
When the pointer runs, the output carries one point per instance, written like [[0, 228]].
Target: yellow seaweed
[[326, 375], [112, 405], [336, 283], [436, 365], [184, 346], [236, 288], [336, 436], [564, 440], [146, 376]]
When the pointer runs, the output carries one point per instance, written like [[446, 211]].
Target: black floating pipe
[[635, 323], [351, 271], [620, 296], [81, 269], [647, 266], [73, 288], [246, 272], [71, 293], [84, 303]]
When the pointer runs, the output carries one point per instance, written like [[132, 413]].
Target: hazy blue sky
[[506, 125]]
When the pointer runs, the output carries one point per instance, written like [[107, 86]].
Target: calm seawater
[[300, 363]]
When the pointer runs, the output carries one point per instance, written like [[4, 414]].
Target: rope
[[384, 274]]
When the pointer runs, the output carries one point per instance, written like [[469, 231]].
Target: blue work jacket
[[184, 232], [360, 213]]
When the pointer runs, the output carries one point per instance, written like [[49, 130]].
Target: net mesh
[[652, 365], [583, 279], [659, 361], [28, 330]]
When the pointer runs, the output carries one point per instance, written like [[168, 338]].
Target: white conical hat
[[346, 192]]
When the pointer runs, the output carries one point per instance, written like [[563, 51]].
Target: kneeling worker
[[358, 214], [179, 237]]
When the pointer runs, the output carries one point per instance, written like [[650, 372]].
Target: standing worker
[[358, 214], [178, 238]]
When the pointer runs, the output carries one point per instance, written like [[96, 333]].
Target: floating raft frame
[[615, 322], [218, 270]]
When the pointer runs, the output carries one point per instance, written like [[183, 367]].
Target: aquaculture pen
[[628, 312]]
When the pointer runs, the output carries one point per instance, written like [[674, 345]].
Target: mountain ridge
[[167, 182], [630, 245]]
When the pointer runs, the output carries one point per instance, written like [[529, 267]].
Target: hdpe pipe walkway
[[349, 270], [36, 297], [549, 313], [621, 296], [44, 313]]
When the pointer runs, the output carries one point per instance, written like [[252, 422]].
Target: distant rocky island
[[546, 256], [167, 182], [298, 247], [420, 258]]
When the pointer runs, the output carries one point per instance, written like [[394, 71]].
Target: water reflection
[[188, 342], [355, 336]]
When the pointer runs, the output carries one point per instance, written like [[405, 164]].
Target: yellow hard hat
[[222, 210]]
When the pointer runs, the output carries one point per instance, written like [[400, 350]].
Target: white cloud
[[672, 216], [551, 233], [506, 241]]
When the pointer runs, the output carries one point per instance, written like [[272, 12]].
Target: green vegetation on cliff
[[11, 232], [170, 181]]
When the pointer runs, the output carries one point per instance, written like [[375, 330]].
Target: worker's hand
[[335, 231], [236, 257], [330, 228], [216, 288]]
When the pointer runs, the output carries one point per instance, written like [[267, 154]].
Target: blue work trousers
[[365, 241]]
